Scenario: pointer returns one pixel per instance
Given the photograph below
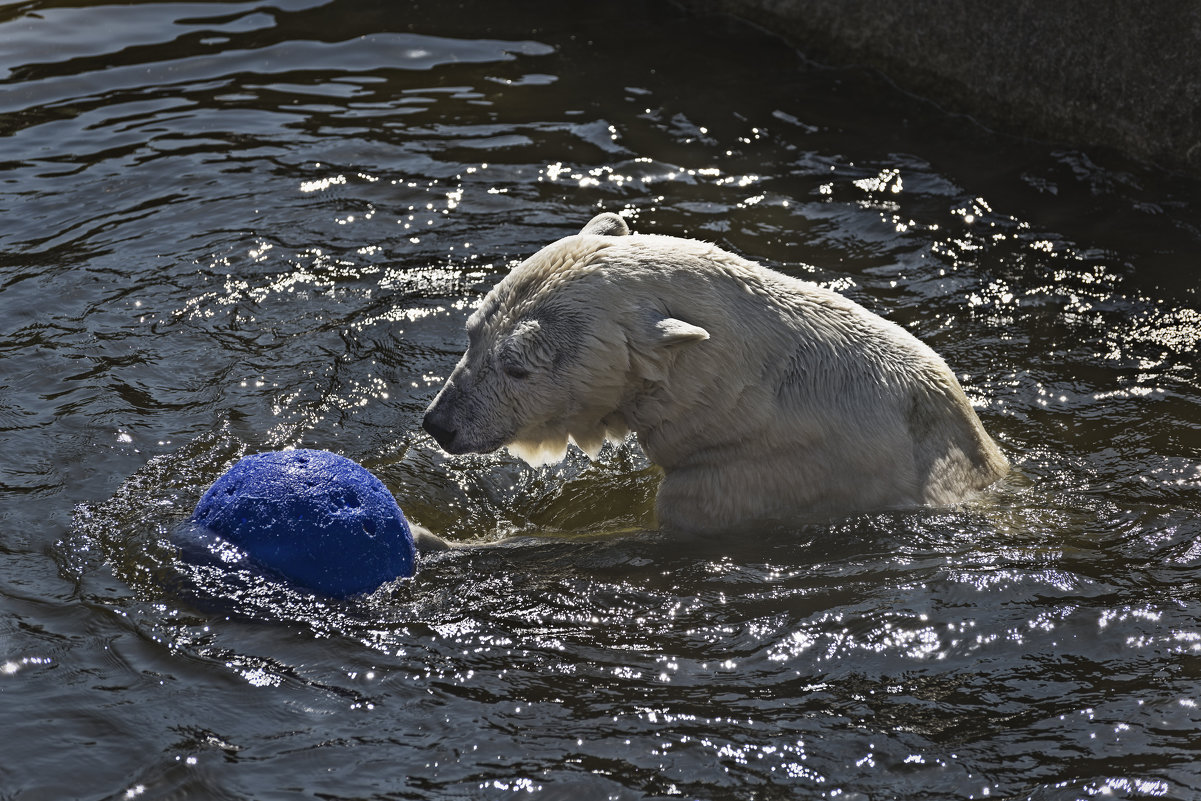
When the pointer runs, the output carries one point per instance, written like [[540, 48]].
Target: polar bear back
[[799, 399]]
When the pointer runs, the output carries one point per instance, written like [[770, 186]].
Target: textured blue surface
[[315, 519]]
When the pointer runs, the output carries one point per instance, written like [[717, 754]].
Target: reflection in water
[[232, 227]]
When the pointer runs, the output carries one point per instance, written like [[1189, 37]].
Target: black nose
[[445, 436]]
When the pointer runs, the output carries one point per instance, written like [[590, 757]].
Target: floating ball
[[312, 518]]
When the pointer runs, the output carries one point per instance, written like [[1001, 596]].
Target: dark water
[[229, 227]]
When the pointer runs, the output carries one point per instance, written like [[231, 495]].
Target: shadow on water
[[234, 227]]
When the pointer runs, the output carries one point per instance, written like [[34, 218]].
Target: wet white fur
[[762, 397]]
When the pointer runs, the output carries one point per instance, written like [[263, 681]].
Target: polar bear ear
[[673, 331], [651, 345], [607, 224]]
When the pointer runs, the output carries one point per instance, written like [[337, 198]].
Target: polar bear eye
[[515, 370]]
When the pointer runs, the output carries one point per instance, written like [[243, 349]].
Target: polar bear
[[763, 398]]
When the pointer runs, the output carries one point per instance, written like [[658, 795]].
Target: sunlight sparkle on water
[[12, 667], [321, 184]]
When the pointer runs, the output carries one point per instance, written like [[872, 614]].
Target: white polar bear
[[762, 397]]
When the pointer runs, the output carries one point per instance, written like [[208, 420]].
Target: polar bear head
[[557, 352]]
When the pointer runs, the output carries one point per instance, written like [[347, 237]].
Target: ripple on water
[[959, 636]]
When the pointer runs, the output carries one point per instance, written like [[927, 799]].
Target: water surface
[[229, 227]]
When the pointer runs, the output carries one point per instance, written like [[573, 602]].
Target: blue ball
[[313, 518]]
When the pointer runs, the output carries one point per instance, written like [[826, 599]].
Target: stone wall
[[1112, 73]]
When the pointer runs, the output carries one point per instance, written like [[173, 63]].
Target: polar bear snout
[[461, 420], [440, 430], [439, 420]]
